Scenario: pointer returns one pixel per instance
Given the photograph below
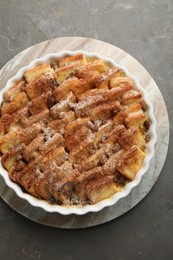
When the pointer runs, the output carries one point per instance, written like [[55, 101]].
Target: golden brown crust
[[131, 162], [76, 60], [40, 85], [14, 90], [17, 103], [102, 188], [37, 72], [75, 133]]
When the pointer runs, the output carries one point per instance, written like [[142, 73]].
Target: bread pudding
[[74, 131]]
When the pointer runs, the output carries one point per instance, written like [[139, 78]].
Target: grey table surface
[[145, 30]]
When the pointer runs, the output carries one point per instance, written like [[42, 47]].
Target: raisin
[[146, 125], [51, 101], [120, 179]]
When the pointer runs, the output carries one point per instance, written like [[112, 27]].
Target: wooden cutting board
[[155, 97]]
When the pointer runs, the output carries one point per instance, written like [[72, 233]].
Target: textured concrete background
[[145, 30]]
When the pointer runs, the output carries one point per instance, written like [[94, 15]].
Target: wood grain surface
[[160, 112]]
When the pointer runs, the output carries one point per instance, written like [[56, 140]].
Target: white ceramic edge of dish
[[81, 210]]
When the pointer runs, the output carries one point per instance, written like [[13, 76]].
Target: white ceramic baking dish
[[80, 210]]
